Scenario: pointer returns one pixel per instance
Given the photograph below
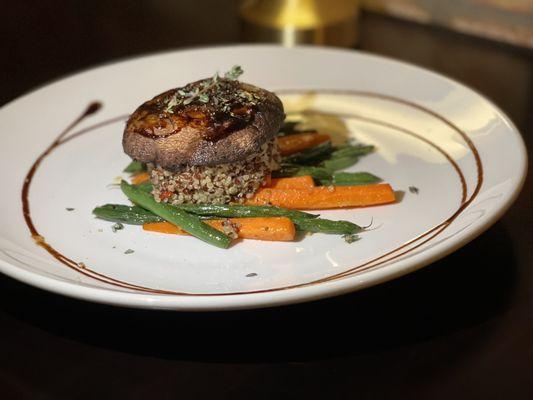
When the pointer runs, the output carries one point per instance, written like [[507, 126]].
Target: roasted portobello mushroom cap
[[205, 123]]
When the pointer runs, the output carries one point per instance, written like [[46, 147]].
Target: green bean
[[189, 223], [336, 163], [136, 215], [346, 156], [314, 155], [301, 170], [145, 186], [320, 161], [135, 166], [237, 211], [126, 214], [350, 150], [351, 179], [326, 226]]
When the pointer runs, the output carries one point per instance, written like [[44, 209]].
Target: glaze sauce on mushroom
[[225, 109]]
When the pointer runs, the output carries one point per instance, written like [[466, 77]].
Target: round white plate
[[464, 156]]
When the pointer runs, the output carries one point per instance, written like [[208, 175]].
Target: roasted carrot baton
[[300, 141], [271, 228], [296, 182], [140, 178], [323, 197]]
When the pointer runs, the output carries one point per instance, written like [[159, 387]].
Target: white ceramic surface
[[429, 131]]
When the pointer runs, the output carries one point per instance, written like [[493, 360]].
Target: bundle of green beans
[[187, 216]]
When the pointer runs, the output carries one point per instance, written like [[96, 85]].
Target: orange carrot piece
[[261, 228], [323, 197], [295, 182], [140, 178], [164, 227], [291, 144], [267, 228]]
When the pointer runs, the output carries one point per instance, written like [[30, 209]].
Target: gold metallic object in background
[[291, 22]]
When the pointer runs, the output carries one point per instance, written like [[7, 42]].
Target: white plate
[[462, 153]]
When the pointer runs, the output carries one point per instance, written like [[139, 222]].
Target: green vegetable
[[135, 166], [350, 179], [336, 163], [136, 215], [354, 178], [301, 170], [238, 211], [145, 186], [310, 156], [326, 177], [351, 150], [321, 161], [305, 222], [326, 226], [126, 214], [346, 156], [189, 223]]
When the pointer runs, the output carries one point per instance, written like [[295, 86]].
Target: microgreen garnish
[[209, 91], [173, 102], [203, 98], [234, 73]]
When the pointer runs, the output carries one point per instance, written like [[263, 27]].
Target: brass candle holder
[[292, 22]]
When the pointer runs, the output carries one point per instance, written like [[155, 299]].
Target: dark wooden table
[[460, 328]]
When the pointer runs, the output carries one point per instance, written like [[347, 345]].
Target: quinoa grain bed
[[219, 184]]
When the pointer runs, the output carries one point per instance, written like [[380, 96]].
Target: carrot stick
[[295, 182], [140, 178], [261, 228], [322, 197], [291, 144]]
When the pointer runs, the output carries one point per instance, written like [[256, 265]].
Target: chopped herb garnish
[[117, 227], [251, 275], [203, 98], [413, 189], [70, 209], [350, 238], [212, 90], [234, 73], [129, 251]]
